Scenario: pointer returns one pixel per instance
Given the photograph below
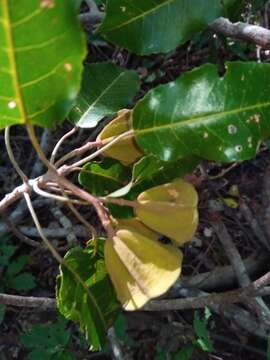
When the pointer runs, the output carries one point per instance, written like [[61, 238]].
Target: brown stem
[[234, 296], [120, 202], [79, 151], [15, 195], [28, 301], [82, 194], [247, 32]]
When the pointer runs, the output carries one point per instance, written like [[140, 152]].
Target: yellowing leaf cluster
[[140, 266]]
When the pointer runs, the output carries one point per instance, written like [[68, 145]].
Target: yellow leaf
[[170, 209], [140, 267], [234, 190], [230, 203], [137, 225], [126, 149]]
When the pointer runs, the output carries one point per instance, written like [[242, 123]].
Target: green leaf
[[93, 304], [121, 212], [200, 328], [24, 282], [104, 177], [147, 27], [106, 88], [41, 53], [121, 332], [185, 353], [17, 265], [39, 355], [217, 118], [6, 252], [47, 341], [151, 171]]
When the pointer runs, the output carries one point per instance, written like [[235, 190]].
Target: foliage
[[203, 340], [178, 200], [102, 178], [226, 124], [23, 71], [138, 25], [140, 267], [11, 268], [210, 112], [48, 342], [114, 89], [88, 299]]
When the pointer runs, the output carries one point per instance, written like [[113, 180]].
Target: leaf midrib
[[139, 16], [106, 177], [101, 95], [13, 64], [210, 117]]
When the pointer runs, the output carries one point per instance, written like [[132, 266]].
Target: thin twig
[[233, 296], [120, 202], [232, 253], [13, 196], [251, 33], [20, 210], [252, 221], [78, 215], [46, 145], [90, 227], [59, 258], [101, 212], [54, 196], [239, 267], [233, 313], [28, 301], [12, 157], [60, 142], [55, 233], [37, 147], [19, 234], [79, 151], [40, 231], [224, 276], [65, 169]]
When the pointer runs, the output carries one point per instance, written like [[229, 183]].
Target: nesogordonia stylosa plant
[[135, 185]]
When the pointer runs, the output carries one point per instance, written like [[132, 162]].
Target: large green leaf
[[104, 177], [147, 26], [201, 113], [94, 309], [151, 171], [41, 53], [106, 88]]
